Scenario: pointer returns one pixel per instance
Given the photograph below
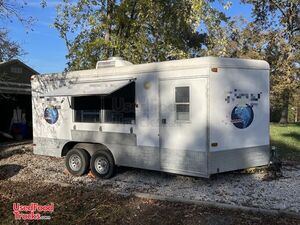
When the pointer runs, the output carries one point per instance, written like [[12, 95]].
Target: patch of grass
[[287, 140]]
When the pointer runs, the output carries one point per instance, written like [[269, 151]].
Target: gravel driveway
[[20, 165]]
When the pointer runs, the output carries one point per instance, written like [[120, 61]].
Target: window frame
[[182, 103], [101, 111], [16, 69], [74, 111]]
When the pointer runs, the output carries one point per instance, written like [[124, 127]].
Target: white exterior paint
[[195, 130], [221, 129], [180, 147]]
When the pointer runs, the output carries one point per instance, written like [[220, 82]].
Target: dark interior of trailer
[[117, 107]]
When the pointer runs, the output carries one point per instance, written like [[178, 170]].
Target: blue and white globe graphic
[[51, 115], [242, 116]]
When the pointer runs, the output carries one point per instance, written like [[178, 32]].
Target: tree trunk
[[109, 15], [285, 109]]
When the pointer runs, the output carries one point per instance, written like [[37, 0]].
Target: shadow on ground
[[293, 135], [8, 171], [286, 152], [74, 205]]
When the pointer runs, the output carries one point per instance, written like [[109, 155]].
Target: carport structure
[[15, 92]]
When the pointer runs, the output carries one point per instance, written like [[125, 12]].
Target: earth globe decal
[[242, 116], [51, 115]]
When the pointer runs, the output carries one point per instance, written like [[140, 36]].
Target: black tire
[[106, 158], [80, 156]]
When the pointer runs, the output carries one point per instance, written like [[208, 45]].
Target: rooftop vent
[[112, 62]]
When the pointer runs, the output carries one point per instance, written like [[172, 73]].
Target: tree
[[8, 49], [248, 40], [10, 10], [138, 30], [281, 19]]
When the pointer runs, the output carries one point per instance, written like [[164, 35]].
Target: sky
[[46, 51]]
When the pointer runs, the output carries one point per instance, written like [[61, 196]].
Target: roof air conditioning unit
[[112, 62]]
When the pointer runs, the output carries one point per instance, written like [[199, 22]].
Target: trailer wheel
[[77, 161], [102, 164]]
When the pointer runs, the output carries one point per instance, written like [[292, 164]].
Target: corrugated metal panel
[[14, 88]]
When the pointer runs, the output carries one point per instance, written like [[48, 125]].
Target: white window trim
[[101, 116], [183, 103]]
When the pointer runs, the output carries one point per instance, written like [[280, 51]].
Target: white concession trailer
[[195, 117]]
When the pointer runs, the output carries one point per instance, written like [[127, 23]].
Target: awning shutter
[[91, 88]]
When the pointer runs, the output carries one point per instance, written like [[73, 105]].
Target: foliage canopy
[[138, 30]]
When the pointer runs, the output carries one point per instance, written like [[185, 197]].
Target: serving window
[[87, 109], [117, 107]]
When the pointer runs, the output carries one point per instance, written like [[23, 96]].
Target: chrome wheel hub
[[75, 162], [101, 165]]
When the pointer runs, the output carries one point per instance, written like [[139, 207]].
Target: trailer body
[[195, 117]]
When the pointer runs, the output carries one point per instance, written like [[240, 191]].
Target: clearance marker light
[[215, 70]]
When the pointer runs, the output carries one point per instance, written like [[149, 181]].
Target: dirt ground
[[83, 201]]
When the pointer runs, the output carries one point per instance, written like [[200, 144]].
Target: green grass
[[286, 138]]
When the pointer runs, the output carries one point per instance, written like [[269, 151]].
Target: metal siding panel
[[144, 157], [231, 88], [147, 110], [135, 156], [184, 160], [103, 137], [48, 146], [236, 159]]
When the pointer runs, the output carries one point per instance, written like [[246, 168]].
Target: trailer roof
[[219, 62]]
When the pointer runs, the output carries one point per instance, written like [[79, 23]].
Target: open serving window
[[105, 102]]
